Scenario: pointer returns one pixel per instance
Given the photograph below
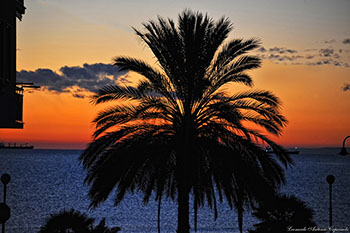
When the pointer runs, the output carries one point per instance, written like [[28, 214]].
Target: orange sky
[[316, 107], [70, 33]]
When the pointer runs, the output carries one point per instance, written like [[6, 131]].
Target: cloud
[[346, 87], [309, 56], [262, 50], [346, 41], [326, 52], [335, 55], [74, 79], [329, 41], [281, 58], [328, 62], [281, 50]]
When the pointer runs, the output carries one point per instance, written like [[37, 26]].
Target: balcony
[[20, 9]]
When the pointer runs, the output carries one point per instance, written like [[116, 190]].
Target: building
[[11, 95]]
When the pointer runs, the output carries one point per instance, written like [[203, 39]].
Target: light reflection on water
[[46, 181]]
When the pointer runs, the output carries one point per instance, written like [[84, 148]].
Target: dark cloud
[[79, 96], [328, 62], [282, 50], [278, 50], [346, 87], [278, 54], [346, 41], [262, 50], [280, 58], [326, 52], [283, 58], [311, 57], [329, 41], [74, 79]]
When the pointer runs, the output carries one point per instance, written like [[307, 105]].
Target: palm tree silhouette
[[73, 221], [283, 214], [178, 133]]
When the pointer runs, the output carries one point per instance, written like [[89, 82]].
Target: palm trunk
[[183, 225], [159, 205], [183, 178]]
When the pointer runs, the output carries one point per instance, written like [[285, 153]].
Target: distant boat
[[15, 146], [270, 151]]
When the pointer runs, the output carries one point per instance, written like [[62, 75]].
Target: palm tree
[[178, 133], [73, 221], [282, 214]]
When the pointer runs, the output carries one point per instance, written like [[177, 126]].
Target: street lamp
[[4, 209], [4, 215], [330, 179], [343, 149], [5, 179]]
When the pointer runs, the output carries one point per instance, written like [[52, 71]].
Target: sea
[[44, 182]]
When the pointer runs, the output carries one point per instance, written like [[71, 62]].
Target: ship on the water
[[295, 151], [15, 146]]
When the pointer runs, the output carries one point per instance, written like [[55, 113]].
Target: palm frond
[[115, 92]]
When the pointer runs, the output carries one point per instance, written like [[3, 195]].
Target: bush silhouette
[[282, 214], [74, 222]]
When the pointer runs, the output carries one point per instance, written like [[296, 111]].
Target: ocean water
[[47, 181]]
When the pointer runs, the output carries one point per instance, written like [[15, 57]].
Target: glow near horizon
[[56, 33]]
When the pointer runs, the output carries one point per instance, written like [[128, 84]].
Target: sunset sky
[[67, 46]]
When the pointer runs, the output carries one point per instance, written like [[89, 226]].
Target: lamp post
[[330, 179], [4, 209], [5, 179], [343, 149]]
